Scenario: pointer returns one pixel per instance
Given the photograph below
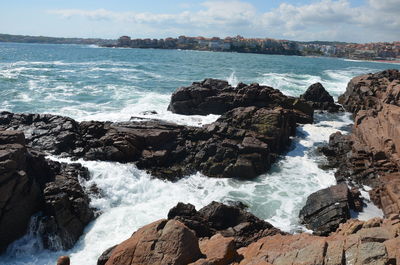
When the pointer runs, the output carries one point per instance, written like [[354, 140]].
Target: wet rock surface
[[241, 143], [19, 192], [30, 184], [371, 150], [354, 242], [218, 218], [327, 208]]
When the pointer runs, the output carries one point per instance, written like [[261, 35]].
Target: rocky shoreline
[[255, 128]]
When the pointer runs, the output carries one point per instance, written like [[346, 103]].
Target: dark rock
[[317, 93], [327, 208], [319, 98], [230, 221], [19, 192], [187, 214], [242, 143], [213, 96], [67, 210], [105, 256], [47, 133], [30, 183]]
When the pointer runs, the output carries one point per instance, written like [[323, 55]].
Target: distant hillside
[[332, 43], [53, 40]]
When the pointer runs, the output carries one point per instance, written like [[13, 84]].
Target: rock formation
[[319, 98], [161, 242], [242, 143], [327, 208], [19, 192], [355, 242], [370, 154], [254, 129], [229, 221], [213, 96], [29, 184]]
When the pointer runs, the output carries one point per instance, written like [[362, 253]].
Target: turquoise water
[[87, 82]]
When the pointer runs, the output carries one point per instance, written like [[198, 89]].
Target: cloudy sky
[[342, 20]]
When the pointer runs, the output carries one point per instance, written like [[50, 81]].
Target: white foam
[[295, 84], [233, 80], [370, 210]]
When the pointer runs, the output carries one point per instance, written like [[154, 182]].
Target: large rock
[[218, 250], [254, 129], [19, 192], [229, 221], [213, 96], [66, 207], [327, 208], [161, 242], [373, 147], [29, 184], [241, 143], [319, 98], [371, 91], [355, 242], [47, 133], [387, 194]]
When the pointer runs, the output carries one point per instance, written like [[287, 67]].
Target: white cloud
[[325, 20]]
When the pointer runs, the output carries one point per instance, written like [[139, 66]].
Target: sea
[[118, 84]]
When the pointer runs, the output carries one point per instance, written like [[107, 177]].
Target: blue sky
[[343, 20]]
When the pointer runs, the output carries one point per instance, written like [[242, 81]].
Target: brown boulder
[[63, 260], [161, 242], [355, 242], [387, 194], [218, 250]]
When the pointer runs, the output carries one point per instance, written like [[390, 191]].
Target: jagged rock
[[242, 143], [319, 98], [355, 242], [327, 208], [30, 183], [162, 242], [213, 96], [46, 132], [66, 208], [387, 194], [372, 149], [229, 221], [19, 192], [370, 91]]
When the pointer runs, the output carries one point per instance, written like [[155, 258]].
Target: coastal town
[[389, 51]]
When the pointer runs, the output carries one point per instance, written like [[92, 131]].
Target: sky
[[302, 20]]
